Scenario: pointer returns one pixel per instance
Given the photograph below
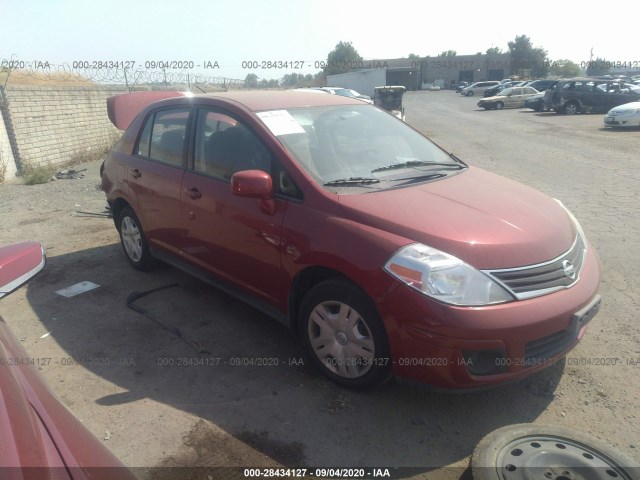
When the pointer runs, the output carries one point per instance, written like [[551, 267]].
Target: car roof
[[259, 100]]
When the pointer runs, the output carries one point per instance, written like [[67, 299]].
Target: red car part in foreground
[[39, 437]]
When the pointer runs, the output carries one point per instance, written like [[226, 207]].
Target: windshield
[[506, 91], [356, 143]]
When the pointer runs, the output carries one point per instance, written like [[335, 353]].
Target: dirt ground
[[157, 402]]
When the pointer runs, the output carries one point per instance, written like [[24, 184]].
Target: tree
[[342, 59], [448, 53], [413, 56], [494, 51], [251, 81], [564, 68], [597, 67], [526, 58]]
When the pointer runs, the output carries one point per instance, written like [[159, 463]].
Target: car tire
[[469, 93], [344, 335], [527, 448], [570, 108], [133, 240], [499, 106]]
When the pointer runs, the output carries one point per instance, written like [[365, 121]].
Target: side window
[[225, 146], [145, 138], [168, 135]]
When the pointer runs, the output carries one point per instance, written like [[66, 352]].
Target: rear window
[[163, 136]]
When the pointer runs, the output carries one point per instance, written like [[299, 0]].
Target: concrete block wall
[[57, 125]]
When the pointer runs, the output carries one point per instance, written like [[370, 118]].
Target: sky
[[231, 32]]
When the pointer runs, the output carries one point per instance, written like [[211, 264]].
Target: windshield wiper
[[416, 163], [352, 181]]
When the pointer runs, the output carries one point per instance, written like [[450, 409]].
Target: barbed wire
[[106, 75]]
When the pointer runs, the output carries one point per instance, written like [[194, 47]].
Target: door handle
[[135, 173], [193, 193]]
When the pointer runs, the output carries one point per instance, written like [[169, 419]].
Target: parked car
[[589, 94], [345, 92], [461, 85], [512, 97], [387, 255], [478, 87], [536, 102], [495, 90], [40, 437], [626, 115], [542, 85]]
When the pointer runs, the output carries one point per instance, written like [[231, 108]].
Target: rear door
[[154, 176], [594, 95], [512, 99]]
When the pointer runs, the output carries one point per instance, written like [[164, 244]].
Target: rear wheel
[[344, 335], [570, 108], [133, 240]]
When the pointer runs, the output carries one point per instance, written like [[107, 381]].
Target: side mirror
[[18, 264], [252, 183], [255, 184]]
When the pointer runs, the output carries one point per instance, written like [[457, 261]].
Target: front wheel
[[344, 335], [470, 93], [499, 106], [133, 240]]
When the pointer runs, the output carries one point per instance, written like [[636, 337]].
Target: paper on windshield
[[280, 122]]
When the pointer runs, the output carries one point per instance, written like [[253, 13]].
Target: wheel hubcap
[[555, 458], [131, 239], [341, 339]]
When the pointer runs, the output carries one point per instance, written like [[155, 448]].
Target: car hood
[[487, 220], [626, 106]]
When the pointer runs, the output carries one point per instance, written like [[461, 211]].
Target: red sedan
[[386, 254]]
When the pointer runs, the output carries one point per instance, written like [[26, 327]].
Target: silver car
[[478, 87]]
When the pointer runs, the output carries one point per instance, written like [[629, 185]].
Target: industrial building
[[419, 73]]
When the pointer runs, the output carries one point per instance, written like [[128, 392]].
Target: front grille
[[540, 350], [535, 280]]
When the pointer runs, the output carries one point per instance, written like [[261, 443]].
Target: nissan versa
[[386, 254]]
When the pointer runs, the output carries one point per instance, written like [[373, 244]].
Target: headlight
[[444, 277]]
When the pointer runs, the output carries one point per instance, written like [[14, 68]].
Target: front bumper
[[632, 120], [450, 347]]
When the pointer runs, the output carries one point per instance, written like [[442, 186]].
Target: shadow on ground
[[277, 410]]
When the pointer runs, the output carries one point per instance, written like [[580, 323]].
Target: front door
[[231, 236]]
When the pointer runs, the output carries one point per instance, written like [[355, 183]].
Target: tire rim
[[555, 458], [341, 339], [131, 239], [570, 109]]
